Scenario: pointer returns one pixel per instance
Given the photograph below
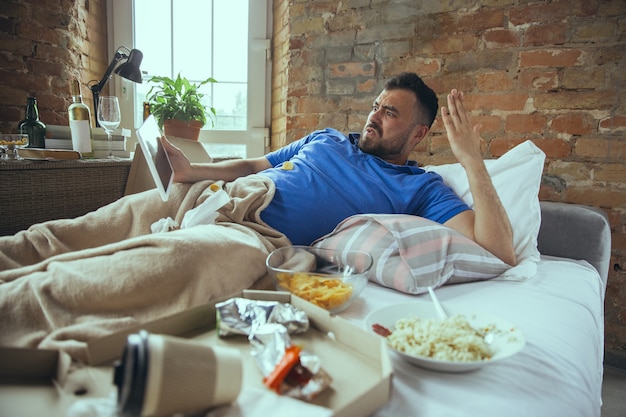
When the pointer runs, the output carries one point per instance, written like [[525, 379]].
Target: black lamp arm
[[96, 88]]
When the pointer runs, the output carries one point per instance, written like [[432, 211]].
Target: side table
[[36, 191]]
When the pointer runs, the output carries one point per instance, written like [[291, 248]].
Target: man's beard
[[376, 145]]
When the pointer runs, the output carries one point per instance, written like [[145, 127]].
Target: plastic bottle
[[80, 123], [32, 126]]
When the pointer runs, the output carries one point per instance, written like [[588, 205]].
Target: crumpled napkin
[[205, 213]]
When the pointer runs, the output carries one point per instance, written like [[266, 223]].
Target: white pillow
[[516, 176], [412, 253]]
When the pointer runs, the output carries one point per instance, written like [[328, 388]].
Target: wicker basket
[[36, 191]]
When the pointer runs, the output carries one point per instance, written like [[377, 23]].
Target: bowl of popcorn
[[10, 143], [331, 279]]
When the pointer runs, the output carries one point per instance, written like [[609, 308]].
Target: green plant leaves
[[178, 99]]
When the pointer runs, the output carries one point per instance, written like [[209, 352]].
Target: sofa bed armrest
[[577, 232]]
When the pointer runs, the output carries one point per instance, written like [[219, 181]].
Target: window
[[224, 39]]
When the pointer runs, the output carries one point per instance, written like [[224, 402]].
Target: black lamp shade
[[130, 69]]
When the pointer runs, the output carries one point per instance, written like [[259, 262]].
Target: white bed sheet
[[558, 373]]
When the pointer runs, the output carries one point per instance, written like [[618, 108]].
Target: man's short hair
[[425, 96]]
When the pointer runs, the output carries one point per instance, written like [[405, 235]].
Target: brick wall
[[45, 44], [549, 71]]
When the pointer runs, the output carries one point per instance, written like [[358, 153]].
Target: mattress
[[558, 372]]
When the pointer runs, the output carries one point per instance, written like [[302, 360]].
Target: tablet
[[157, 159]]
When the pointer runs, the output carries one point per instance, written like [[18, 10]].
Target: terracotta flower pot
[[180, 129]]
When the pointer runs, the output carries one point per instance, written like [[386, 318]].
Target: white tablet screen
[[156, 157]]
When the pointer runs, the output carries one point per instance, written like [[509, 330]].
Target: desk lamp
[[129, 70]]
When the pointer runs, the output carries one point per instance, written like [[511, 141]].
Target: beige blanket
[[68, 281]]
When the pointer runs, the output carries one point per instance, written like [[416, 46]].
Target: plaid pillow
[[412, 253]]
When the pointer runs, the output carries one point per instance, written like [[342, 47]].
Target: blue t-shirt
[[330, 179]]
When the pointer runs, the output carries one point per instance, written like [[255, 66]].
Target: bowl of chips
[[10, 143], [331, 279]]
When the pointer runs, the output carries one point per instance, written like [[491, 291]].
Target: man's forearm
[[492, 228], [228, 170], [489, 224]]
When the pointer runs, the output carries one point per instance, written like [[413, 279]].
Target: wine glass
[[109, 116]]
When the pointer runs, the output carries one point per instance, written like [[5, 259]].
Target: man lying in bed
[[299, 193], [370, 172]]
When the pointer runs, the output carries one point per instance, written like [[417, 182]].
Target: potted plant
[[177, 106]]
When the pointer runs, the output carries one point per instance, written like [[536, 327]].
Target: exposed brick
[[306, 75], [8, 26], [355, 123], [597, 196], [489, 124], [357, 103], [583, 78], [551, 188], [336, 23], [14, 10], [443, 85], [452, 44], [353, 69], [610, 173], [439, 144], [549, 34], [303, 123], [612, 8], [541, 79], [383, 33], [478, 21], [308, 25], [49, 46], [10, 64], [324, 39], [554, 148], [550, 58], [45, 68], [501, 38], [500, 146], [593, 31], [501, 102], [498, 59], [525, 123], [395, 49], [419, 65], [551, 12], [317, 105], [609, 149], [573, 124], [340, 86], [614, 124], [575, 100], [367, 86], [495, 81], [569, 171]]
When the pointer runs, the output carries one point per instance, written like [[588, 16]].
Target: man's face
[[391, 125]]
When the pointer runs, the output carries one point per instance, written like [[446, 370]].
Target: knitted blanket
[[68, 281]]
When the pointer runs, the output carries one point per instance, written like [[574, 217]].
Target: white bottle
[[80, 123]]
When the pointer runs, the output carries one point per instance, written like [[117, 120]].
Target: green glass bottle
[[32, 126]]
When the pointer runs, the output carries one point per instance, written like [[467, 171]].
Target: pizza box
[[357, 361]]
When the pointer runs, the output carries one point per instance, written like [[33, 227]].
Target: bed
[[555, 296], [560, 312]]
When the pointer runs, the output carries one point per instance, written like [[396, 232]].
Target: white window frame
[[256, 137]]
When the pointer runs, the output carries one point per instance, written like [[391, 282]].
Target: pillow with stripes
[[412, 253]]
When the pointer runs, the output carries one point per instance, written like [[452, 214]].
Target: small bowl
[[331, 279], [10, 143]]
